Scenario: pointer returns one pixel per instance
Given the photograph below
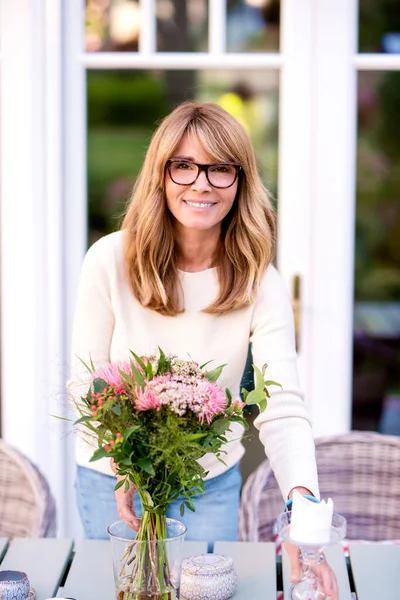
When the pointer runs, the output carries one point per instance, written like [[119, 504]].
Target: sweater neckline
[[198, 273]]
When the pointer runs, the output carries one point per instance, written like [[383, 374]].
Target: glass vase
[[147, 569]]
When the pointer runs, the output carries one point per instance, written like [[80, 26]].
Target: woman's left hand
[[327, 576]]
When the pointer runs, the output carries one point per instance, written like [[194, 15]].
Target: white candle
[[311, 522]]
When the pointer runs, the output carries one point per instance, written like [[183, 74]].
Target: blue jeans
[[216, 516]]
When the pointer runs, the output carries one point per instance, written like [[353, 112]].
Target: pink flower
[[110, 373], [238, 406], [147, 400], [210, 400]]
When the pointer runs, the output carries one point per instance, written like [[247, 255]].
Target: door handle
[[296, 305]]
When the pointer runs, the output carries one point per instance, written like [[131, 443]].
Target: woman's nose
[[201, 183]]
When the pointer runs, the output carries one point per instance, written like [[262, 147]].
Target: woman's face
[[197, 206]]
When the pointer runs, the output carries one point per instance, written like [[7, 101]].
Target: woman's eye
[[183, 166], [221, 169]]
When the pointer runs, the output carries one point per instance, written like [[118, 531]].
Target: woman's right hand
[[125, 502]]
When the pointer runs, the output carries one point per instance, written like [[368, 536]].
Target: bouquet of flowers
[[156, 416]]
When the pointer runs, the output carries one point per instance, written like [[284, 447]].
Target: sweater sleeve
[[93, 318], [285, 427]]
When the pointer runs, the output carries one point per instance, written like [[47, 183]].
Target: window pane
[[124, 108], [376, 399], [112, 25], [379, 26], [182, 25], [253, 25]]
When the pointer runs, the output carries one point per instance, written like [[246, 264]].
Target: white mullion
[[217, 27], [377, 62], [179, 60], [148, 27]]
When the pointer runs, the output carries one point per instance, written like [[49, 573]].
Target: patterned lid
[[207, 564]]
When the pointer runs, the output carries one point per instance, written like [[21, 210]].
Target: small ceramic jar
[[14, 585], [208, 576]]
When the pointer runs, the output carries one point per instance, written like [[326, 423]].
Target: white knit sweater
[[109, 322]]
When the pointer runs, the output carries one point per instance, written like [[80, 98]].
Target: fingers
[[125, 508], [329, 582], [324, 571], [128, 516], [295, 565]]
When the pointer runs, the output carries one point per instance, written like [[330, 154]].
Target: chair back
[[359, 470], [27, 507]]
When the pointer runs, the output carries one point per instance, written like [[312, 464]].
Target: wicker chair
[[360, 471], [27, 507]]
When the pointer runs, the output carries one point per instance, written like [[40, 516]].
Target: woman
[[191, 271]]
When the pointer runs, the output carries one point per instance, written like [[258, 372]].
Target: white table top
[[84, 570]]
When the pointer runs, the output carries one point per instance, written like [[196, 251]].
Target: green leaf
[[262, 405], [116, 409], [65, 418], [127, 486], [127, 377], [118, 485], [220, 425], [214, 374], [255, 397], [147, 368], [259, 383], [83, 420], [270, 382], [245, 393], [194, 436], [99, 385], [138, 360], [182, 509], [205, 364], [228, 395], [88, 398], [146, 465], [91, 368], [100, 453], [163, 363], [137, 375], [128, 432], [240, 420], [190, 505]]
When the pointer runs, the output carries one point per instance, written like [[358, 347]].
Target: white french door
[[317, 197], [44, 200]]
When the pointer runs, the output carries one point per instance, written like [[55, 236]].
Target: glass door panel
[[182, 25], [114, 25], [379, 26], [376, 385], [253, 25]]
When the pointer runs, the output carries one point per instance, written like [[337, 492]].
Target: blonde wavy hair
[[248, 232]]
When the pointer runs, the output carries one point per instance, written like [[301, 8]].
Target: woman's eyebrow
[[185, 158]]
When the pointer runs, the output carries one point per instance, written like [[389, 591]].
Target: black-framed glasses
[[186, 172]]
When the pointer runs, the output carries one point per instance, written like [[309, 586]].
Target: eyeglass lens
[[219, 175]]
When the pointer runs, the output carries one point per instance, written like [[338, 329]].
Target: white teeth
[[199, 204]]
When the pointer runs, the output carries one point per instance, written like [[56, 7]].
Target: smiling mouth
[[200, 204]]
